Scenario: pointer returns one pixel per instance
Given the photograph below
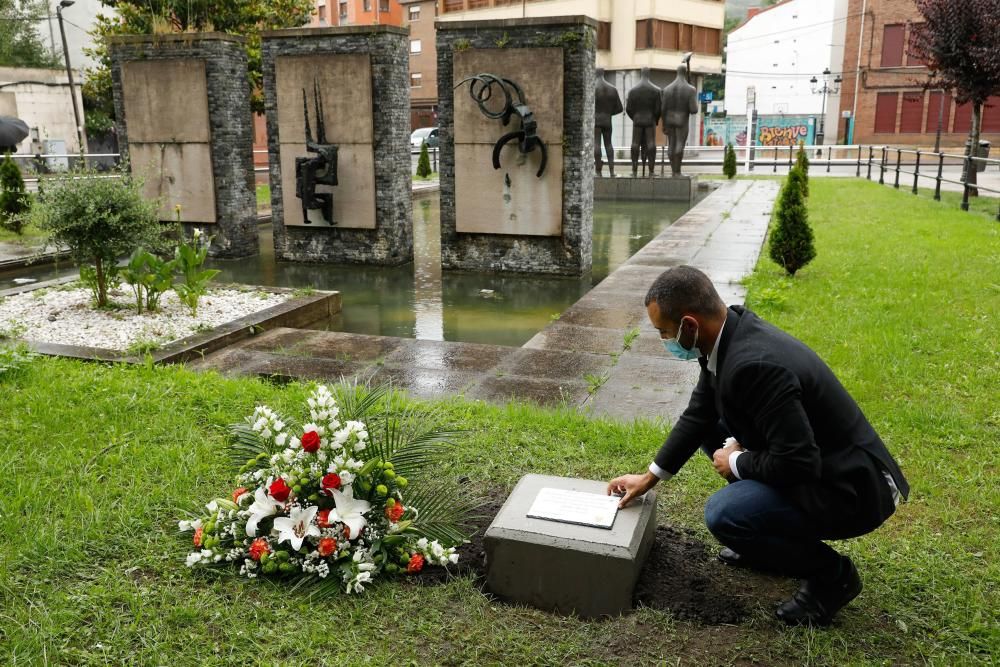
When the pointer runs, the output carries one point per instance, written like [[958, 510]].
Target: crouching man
[[804, 464]]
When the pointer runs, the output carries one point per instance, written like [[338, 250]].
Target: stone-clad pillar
[[360, 77], [509, 219], [184, 123]]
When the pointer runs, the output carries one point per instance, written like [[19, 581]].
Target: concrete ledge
[[681, 188], [563, 567], [534, 21], [334, 30], [185, 37], [296, 312]]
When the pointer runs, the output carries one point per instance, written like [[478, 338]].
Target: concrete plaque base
[[681, 188], [564, 567]]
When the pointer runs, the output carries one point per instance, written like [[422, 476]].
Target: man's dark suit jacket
[[803, 432]]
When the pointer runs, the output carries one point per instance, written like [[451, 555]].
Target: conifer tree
[[424, 163], [791, 238], [729, 162], [802, 162], [14, 200]]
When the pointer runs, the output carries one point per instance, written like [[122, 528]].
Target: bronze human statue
[[643, 106], [607, 103], [679, 103]]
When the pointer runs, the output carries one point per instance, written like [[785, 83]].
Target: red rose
[[347, 532], [279, 490], [394, 513], [327, 546], [329, 481], [416, 564], [198, 532], [323, 518], [310, 441], [259, 547], [237, 493]]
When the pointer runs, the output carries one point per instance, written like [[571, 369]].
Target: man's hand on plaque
[[631, 486]]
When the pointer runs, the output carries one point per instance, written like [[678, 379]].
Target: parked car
[[424, 134]]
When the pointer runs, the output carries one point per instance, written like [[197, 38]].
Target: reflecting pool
[[419, 301]]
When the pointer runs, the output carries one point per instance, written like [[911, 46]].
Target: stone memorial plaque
[[568, 567], [577, 507]]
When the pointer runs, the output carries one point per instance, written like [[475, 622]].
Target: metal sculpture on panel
[[643, 106], [679, 103], [320, 170], [481, 87], [607, 103]]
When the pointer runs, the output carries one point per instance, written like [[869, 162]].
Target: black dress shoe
[[818, 600], [732, 559]]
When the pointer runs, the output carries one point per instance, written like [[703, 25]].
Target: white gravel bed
[[64, 315]]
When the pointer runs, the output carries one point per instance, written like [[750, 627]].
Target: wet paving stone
[[568, 367], [430, 354]]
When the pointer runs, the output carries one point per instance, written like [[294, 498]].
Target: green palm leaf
[[443, 514]]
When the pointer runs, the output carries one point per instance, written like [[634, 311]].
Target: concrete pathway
[[601, 356]]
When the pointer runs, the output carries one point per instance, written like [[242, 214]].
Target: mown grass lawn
[[903, 300]]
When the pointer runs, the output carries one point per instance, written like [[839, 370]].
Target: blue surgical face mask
[[674, 347]]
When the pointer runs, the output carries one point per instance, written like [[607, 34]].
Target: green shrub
[[729, 162], [802, 162], [14, 201], [149, 277], [791, 238], [188, 259], [424, 163], [99, 218]]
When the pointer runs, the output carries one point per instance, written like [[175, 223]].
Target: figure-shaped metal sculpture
[[607, 103], [319, 170], [481, 88], [679, 103], [643, 106]]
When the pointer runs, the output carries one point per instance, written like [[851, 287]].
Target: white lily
[[298, 525], [263, 506], [349, 511]]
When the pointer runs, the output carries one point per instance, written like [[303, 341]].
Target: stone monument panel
[[345, 84], [508, 200], [169, 135], [353, 196], [177, 174], [167, 100], [512, 199]]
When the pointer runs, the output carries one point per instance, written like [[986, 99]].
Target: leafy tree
[[729, 162], [20, 43], [246, 17], [424, 162], [14, 201], [99, 219], [960, 42], [792, 239]]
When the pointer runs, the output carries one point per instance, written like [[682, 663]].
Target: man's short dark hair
[[684, 290]]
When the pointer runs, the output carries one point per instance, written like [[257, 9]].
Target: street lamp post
[[69, 73], [824, 90]]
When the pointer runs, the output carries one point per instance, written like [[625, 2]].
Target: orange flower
[[237, 493], [198, 533], [394, 513], [259, 547], [416, 564], [327, 546]]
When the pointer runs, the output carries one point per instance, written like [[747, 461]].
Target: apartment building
[[419, 16], [781, 52], [882, 90], [357, 12]]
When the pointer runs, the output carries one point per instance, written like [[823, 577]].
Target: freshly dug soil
[[682, 575]]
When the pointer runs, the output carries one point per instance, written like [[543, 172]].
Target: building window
[[885, 113], [892, 45], [415, 45], [414, 12], [671, 36], [911, 59], [911, 113], [321, 12], [603, 35], [383, 5], [416, 79], [368, 5], [343, 12]]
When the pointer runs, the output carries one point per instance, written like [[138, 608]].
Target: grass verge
[[96, 462]]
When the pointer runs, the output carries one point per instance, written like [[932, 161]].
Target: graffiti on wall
[[770, 131]]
